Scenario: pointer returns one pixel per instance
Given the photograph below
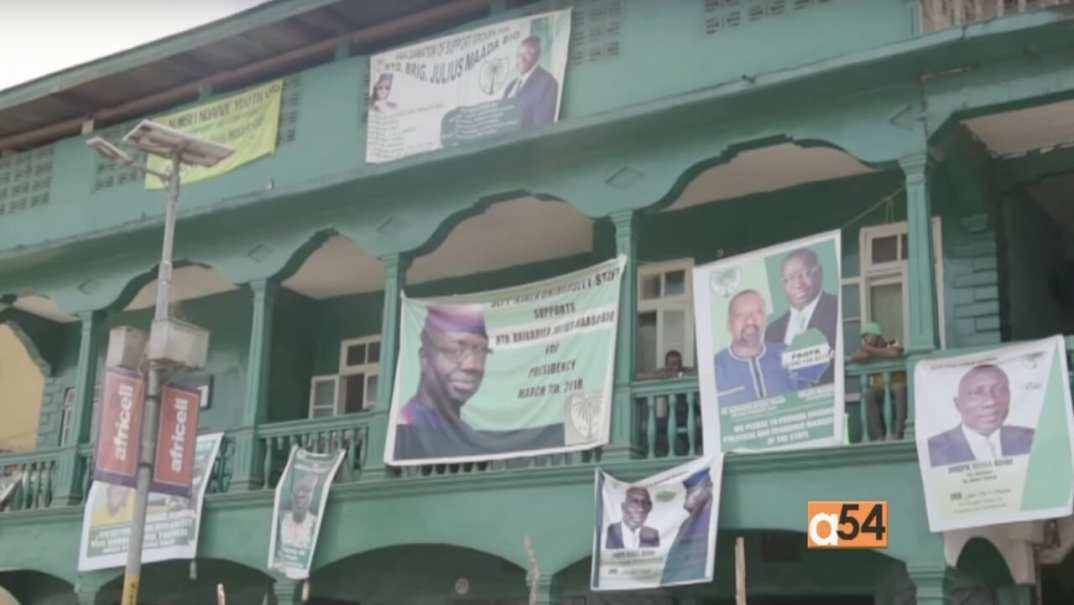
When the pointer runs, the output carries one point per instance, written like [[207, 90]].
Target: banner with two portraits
[[770, 346], [995, 435], [660, 531]]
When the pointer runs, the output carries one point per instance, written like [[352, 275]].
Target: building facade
[[933, 134]]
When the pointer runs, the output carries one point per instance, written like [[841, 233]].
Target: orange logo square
[[850, 524]]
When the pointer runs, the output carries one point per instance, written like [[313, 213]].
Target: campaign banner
[[119, 433], [172, 522], [173, 469], [481, 83], [995, 435], [301, 496], [660, 531], [770, 346], [520, 371], [247, 122]]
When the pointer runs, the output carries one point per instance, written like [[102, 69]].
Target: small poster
[[173, 469], [172, 522], [301, 496], [770, 346], [995, 435], [119, 434], [495, 80], [660, 531]]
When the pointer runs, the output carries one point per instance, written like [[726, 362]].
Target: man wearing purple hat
[[454, 349], [689, 553]]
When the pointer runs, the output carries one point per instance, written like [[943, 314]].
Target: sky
[[39, 37]]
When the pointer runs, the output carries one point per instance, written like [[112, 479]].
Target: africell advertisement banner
[[995, 435], [480, 83], [770, 346], [301, 496], [172, 522], [119, 435], [520, 371], [660, 531], [174, 466]]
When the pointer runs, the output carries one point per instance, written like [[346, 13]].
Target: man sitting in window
[[875, 347]]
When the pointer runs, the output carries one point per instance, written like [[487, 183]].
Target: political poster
[[995, 435], [521, 371], [172, 522], [770, 346], [660, 531], [481, 83], [247, 122], [119, 433], [301, 496]]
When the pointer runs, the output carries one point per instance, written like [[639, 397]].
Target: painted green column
[[626, 244], [922, 278], [287, 591], [249, 455], [395, 268], [931, 584], [547, 594], [68, 488]]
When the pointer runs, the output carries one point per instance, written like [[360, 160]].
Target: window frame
[[679, 302], [370, 369], [314, 380]]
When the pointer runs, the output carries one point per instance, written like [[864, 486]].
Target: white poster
[[770, 346], [172, 522], [480, 83], [301, 496], [660, 531], [995, 435]]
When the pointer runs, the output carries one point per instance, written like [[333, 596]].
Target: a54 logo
[[837, 524]]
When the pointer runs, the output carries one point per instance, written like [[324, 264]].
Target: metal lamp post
[[180, 148]]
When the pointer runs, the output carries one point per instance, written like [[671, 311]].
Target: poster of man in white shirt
[[301, 496], [995, 435]]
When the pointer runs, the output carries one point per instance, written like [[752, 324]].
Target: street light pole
[[150, 419]]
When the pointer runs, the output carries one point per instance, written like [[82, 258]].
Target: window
[[354, 387], [881, 294], [66, 415], [665, 314]]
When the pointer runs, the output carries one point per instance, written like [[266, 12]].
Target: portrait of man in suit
[[535, 90], [983, 402], [631, 532], [811, 306]]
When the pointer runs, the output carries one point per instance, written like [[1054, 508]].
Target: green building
[[934, 134]]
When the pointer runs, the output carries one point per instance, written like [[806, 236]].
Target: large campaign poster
[[301, 496], [521, 371], [172, 522], [770, 346], [660, 531], [995, 435], [480, 83]]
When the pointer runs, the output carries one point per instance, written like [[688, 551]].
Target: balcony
[[943, 14]]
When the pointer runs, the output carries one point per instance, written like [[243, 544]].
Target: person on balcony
[[631, 532], [875, 347], [811, 306], [689, 552], [749, 368], [983, 402], [454, 350]]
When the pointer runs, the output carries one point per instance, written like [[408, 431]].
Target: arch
[[31, 586], [180, 582], [509, 232], [190, 279], [13, 323], [983, 562], [331, 264], [413, 572]]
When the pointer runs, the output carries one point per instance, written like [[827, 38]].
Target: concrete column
[[287, 592], [931, 584], [626, 244], [249, 455], [922, 279], [395, 268], [69, 473]]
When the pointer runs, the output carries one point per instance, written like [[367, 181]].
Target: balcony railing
[[667, 418], [944, 14], [327, 435], [36, 472]]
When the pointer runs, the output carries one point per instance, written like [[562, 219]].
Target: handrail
[[349, 432], [37, 474]]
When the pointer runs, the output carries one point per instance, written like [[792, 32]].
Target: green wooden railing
[[325, 435], [887, 377], [667, 418], [36, 473]]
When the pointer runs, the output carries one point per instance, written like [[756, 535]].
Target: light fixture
[[109, 151], [158, 139]]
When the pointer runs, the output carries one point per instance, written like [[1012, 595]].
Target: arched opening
[[22, 383], [420, 573], [186, 582], [26, 586]]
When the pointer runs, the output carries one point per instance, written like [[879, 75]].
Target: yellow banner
[[246, 121]]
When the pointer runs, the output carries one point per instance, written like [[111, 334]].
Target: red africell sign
[[174, 465], [119, 437]]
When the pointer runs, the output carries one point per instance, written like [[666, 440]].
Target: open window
[[354, 387], [665, 315]]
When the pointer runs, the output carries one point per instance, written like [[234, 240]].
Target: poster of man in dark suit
[[810, 306], [535, 90], [983, 402], [632, 532]]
